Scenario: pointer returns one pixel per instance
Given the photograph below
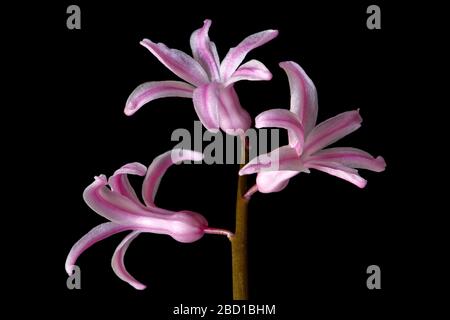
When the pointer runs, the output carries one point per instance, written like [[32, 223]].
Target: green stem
[[239, 241]]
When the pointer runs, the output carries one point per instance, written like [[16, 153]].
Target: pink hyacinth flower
[[209, 82], [116, 200], [308, 140]]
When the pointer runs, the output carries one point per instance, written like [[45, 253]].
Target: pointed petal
[[159, 166], [350, 157], [281, 159], [97, 234], [206, 102], [303, 95], [119, 181], [332, 130], [273, 181], [281, 118], [150, 91], [178, 62], [237, 54], [118, 265], [234, 119], [340, 171], [252, 70], [204, 51]]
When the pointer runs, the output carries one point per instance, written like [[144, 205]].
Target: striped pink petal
[[303, 95], [252, 70], [118, 265], [281, 118], [350, 157], [281, 159], [178, 62], [114, 206], [159, 166], [206, 104], [119, 181], [338, 170], [205, 52], [149, 91], [237, 54], [97, 234], [332, 130], [233, 119]]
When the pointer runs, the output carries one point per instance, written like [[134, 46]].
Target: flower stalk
[[239, 240]]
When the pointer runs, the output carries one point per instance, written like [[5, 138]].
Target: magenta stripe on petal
[[332, 130], [237, 54], [119, 181], [149, 91], [119, 209], [178, 62], [204, 51], [97, 234], [284, 158], [351, 157], [233, 118], [303, 95], [206, 102], [252, 70], [340, 171], [118, 265], [281, 118]]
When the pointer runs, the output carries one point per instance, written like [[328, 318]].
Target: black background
[[310, 244]]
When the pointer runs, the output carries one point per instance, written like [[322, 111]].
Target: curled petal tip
[[130, 109], [69, 268], [131, 168], [362, 184], [144, 41], [101, 179], [139, 286], [381, 162]]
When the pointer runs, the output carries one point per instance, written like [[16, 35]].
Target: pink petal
[[303, 95], [332, 130], [282, 159], [280, 118], [118, 262], [350, 157], [234, 119], [206, 105], [159, 166], [121, 210], [205, 52], [97, 234], [119, 181], [252, 70], [273, 181], [237, 54], [340, 171], [178, 62], [149, 91]]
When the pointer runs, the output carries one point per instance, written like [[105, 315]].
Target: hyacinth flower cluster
[[209, 82]]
